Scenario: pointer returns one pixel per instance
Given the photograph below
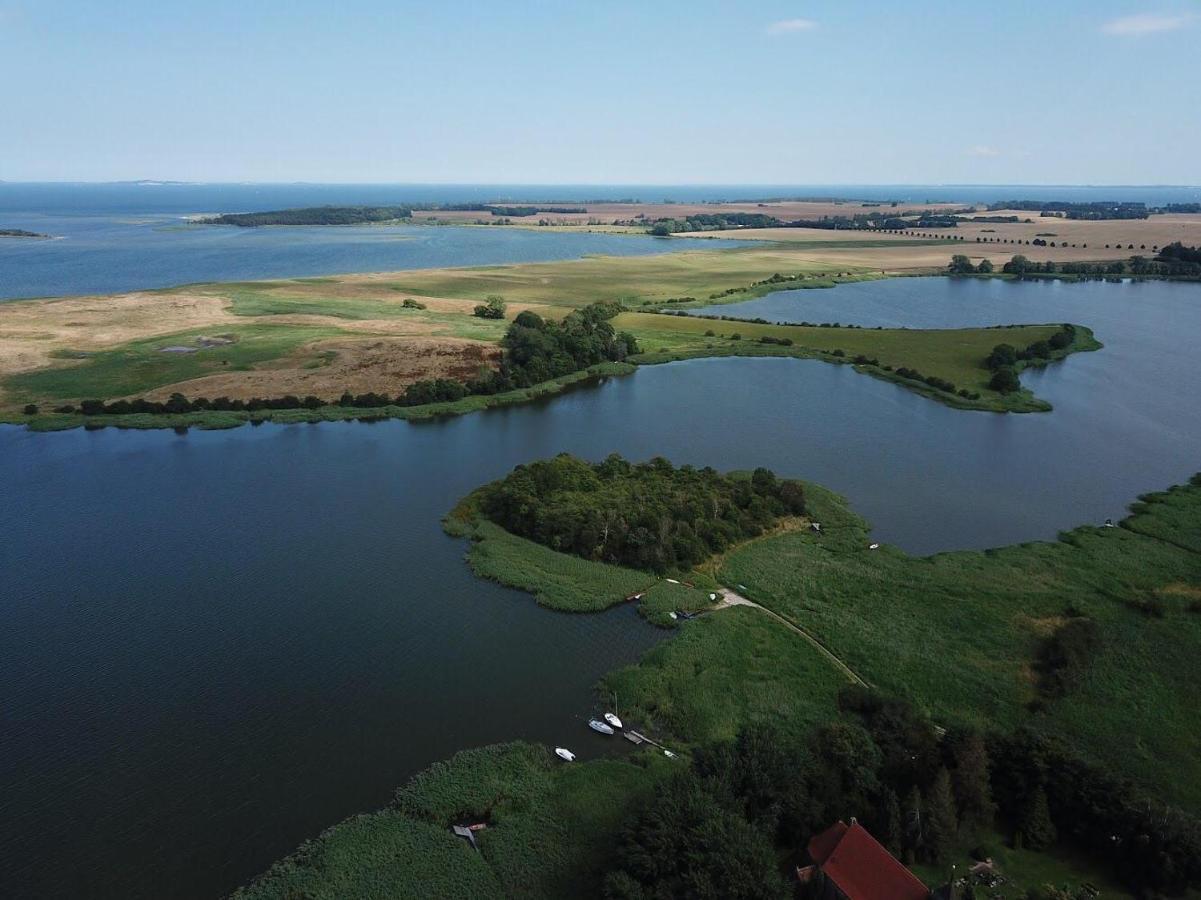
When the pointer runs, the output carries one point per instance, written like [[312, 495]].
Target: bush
[[494, 308], [410, 303], [1005, 381], [31, 409]]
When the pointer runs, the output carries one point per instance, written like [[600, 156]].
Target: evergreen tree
[[1036, 829], [892, 828], [914, 833], [970, 780], [941, 823]]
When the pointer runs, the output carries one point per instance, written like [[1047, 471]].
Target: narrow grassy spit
[[955, 356]]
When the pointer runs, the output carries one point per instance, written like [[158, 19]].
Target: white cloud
[[984, 150], [1144, 23], [788, 26]]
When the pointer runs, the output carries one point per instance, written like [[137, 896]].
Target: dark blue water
[[216, 644], [121, 237], [112, 253], [178, 198]]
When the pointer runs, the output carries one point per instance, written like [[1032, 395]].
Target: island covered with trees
[[313, 215], [650, 516]]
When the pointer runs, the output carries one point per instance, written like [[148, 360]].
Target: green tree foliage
[[1002, 355], [314, 215], [1035, 830], [970, 778], [686, 844], [31, 409], [914, 832], [650, 516], [961, 265], [538, 350], [1005, 380], [493, 308], [985, 267], [942, 823]]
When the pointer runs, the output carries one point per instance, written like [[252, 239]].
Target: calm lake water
[[217, 644], [100, 254]]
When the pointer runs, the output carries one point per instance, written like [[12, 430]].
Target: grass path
[[731, 598]]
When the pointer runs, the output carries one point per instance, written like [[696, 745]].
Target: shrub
[[494, 308], [31, 409], [410, 303], [1005, 381]]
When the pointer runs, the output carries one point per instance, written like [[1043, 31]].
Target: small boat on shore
[[612, 719], [598, 725], [564, 754]]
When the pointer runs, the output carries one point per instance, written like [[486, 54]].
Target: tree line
[[1095, 210], [650, 516], [313, 215], [718, 828]]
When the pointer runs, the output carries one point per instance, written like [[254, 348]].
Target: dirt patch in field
[[325, 369], [1043, 626], [1179, 589]]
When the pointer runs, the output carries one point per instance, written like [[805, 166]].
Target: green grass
[[556, 580], [253, 300], [723, 671], [957, 633], [551, 829], [633, 280], [140, 366]]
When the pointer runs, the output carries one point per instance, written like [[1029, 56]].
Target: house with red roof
[[850, 864]]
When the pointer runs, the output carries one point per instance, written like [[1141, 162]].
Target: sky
[[606, 92]]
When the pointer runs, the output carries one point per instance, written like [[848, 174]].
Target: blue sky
[[706, 91]]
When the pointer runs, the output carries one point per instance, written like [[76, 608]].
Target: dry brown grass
[[380, 364]]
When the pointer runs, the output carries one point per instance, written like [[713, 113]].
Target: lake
[[105, 254], [218, 643]]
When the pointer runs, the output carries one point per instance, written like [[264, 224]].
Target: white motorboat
[[612, 719], [564, 754], [598, 725]]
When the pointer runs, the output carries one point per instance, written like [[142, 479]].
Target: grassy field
[[142, 365], [960, 633], [634, 280]]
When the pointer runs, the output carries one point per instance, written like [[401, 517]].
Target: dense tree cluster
[[537, 350], [713, 222], [520, 212], [1004, 358], [314, 215], [650, 516], [1101, 209], [919, 792]]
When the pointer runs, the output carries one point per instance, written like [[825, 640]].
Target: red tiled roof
[[861, 867]]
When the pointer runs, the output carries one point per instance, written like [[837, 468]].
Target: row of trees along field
[[718, 828], [650, 516], [535, 351]]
